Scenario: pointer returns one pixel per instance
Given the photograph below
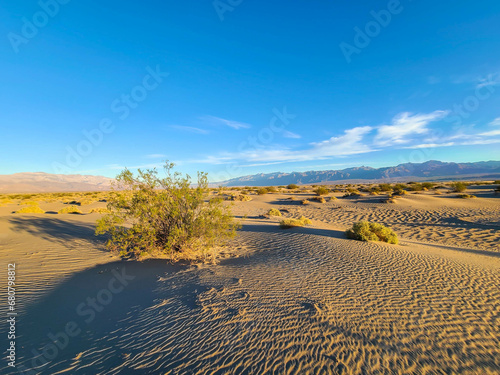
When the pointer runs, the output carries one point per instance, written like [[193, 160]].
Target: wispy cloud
[[190, 129], [213, 120], [495, 122], [492, 79], [405, 125], [289, 134], [490, 133]]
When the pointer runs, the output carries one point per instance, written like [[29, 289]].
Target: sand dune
[[297, 301]]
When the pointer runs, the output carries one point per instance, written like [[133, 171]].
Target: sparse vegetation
[[458, 187], [274, 212], [241, 198], [31, 209], [305, 201], [152, 216], [99, 210], [321, 190], [366, 231], [292, 187], [385, 187], [320, 199], [466, 196], [70, 210], [262, 191], [290, 223]]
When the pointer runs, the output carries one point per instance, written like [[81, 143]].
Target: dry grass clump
[[292, 187], [99, 210], [70, 210], [321, 190], [274, 212], [389, 200], [458, 187], [262, 191], [320, 199], [290, 223], [466, 196], [31, 209], [333, 198], [305, 201], [241, 198], [366, 231], [3, 202]]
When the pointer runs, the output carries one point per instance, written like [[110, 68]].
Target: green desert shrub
[[262, 191], [428, 185], [366, 231], [290, 223], [385, 187], [274, 212], [166, 217], [458, 187], [321, 190], [292, 186], [466, 196], [70, 210], [31, 209]]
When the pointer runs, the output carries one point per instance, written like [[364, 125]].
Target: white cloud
[[404, 125], [490, 133], [288, 134], [213, 120], [432, 145], [492, 79], [495, 122], [190, 129]]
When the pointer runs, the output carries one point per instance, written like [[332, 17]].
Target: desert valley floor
[[296, 301]]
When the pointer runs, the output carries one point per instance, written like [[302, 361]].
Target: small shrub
[[320, 199], [99, 210], [466, 196], [458, 187], [385, 187], [271, 189], [292, 187], [305, 201], [389, 200], [428, 185], [241, 198], [32, 209], [290, 223], [321, 190], [366, 231], [274, 212], [70, 210], [262, 191], [333, 198]]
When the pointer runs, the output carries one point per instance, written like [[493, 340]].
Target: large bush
[[153, 216], [366, 231]]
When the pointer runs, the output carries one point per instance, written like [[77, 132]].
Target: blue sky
[[243, 87]]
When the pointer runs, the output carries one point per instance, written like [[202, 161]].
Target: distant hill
[[430, 170], [40, 182]]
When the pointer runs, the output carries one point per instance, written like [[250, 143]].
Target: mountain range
[[433, 170], [430, 170]]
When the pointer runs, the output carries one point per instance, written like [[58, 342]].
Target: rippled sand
[[297, 301]]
